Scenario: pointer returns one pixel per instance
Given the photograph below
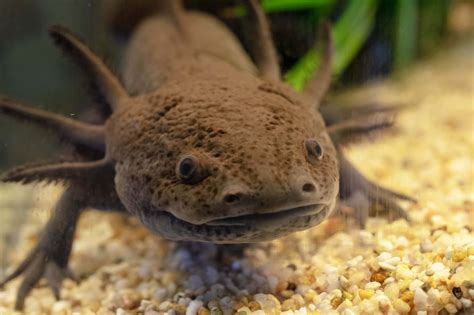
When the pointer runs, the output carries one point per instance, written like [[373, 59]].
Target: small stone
[[343, 282], [366, 294], [392, 290], [347, 296], [426, 246], [203, 311], [282, 285], [378, 277], [120, 311], [451, 308], [401, 306], [384, 256], [415, 284], [372, 285], [194, 307], [216, 311], [288, 304], [254, 305], [457, 292], [298, 299], [407, 296], [386, 266], [335, 302], [419, 299], [389, 280], [403, 272], [291, 286], [466, 303], [309, 296], [459, 255], [386, 245]]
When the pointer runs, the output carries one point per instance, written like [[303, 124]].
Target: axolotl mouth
[[238, 229]]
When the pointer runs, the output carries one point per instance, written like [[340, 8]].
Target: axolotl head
[[223, 161]]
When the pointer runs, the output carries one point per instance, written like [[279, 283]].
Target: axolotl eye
[[189, 170], [314, 150]]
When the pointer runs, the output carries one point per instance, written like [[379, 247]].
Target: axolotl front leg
[[50, 257], [89, 183]]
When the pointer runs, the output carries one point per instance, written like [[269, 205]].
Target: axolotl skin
[[200, 145]]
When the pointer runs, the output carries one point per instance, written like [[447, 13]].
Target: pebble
[[366, 294], [372, 285], [420, 299], [466, 303], [401, 306], [426, 246], [194, 307], [386, 266]]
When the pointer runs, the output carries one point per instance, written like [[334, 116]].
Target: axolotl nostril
[[200, 145]]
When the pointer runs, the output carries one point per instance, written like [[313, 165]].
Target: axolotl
[[200, 144]]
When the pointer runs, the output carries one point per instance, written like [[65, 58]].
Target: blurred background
[[373, 39]]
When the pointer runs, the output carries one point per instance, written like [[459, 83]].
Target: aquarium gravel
[[422, 267]]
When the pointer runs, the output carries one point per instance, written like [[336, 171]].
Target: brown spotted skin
[[247, 133]]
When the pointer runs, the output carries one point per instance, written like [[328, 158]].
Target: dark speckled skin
[[247, 132]]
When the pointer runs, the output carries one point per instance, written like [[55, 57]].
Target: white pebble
[[438, 266], [388, 280], [374, 285], [386, 266], [384, 256], [393, 261], [60, 306], [120, 311], [433, 296], [466, 303], [415, 284], [355, 261], [343, 282], [402, 241], [440, 270], [193, 307], [426, 246], [301, 311], [386, 245], [420, 299]]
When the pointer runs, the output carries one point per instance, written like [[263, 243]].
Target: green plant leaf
[[284, 5], [406, 35], [349, 34]]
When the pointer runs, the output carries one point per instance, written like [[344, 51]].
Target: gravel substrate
[[426, 267]]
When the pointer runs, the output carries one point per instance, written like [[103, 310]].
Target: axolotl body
[[201, 144]]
